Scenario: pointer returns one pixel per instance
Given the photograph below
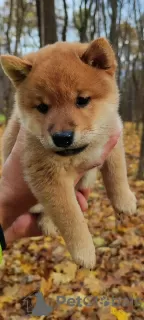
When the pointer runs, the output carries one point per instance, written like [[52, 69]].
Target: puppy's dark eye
[[82, 102], [43, 108]]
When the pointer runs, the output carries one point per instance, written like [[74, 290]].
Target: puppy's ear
[[100, 54], [15, 68]]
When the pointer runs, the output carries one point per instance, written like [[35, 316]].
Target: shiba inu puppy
[[67, 100]]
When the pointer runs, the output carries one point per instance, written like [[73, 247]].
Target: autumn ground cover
[[45, 264]]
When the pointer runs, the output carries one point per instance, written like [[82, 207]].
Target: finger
[[85, 192], [109, 146], [82, 200], [24, 226]]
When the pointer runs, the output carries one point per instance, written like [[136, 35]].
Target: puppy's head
[[66, 93]]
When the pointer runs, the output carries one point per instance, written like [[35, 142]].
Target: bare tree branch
[[64, 31], [9, 26]]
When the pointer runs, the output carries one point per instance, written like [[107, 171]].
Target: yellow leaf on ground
[[46, 285], [120, 314]]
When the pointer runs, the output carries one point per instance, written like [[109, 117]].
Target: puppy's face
[[66, 94]]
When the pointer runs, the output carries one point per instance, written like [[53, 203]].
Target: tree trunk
[[140, 174], [38, 8], [64, 31], [113, 27], [46, 21]]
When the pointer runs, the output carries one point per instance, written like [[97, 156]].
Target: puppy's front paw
[[85, 256], [47, 226], [86, 259], [125, 202]]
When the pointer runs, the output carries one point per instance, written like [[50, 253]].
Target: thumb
[[24, 226]]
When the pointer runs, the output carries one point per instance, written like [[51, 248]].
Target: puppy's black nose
[[63, 139]]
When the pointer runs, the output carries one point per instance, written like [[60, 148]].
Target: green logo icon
[[0, 254]]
